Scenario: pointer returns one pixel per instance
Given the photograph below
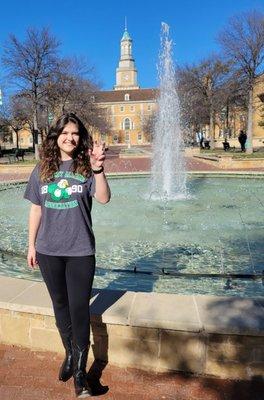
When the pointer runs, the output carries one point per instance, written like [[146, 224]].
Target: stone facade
[[128, 111], [258, 108], [152, 349], [238, 119], [25, 139], [128, 108], [159, 332]]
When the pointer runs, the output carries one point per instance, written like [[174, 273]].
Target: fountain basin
[[216, 230]]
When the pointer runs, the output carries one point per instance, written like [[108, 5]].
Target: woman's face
[[68, 140]]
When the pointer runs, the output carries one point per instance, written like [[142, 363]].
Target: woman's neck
[[65, 157]]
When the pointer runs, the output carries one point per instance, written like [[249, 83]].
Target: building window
[[127, 138], [121, 108], [132, 108], [139, 137], [115, 138], [92, 99], [127, 97], [127, 124], [149, 107]]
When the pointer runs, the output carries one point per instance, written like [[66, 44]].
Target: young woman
[[61, 239]]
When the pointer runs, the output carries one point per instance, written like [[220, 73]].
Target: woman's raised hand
[[97, 155]]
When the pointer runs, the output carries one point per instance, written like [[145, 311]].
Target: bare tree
[[148, 125], [243, 43], [200, 87], [72, 88], [193, 107], [62, 84], [30, 65]]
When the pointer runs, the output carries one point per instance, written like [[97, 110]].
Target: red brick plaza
[[115, 164], [31, 375]]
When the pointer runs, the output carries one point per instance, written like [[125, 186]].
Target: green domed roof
[[126, 36]]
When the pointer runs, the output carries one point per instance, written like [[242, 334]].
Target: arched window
[[127, 124], [126, 96]]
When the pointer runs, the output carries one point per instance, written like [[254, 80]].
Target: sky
[[93, 29]]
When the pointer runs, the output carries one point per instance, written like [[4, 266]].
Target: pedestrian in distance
[[242, 138], [61, 240]]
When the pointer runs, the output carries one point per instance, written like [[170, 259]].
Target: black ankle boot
[[82, 388], [66, 369]]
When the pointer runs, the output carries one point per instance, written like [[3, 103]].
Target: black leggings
[[69, 281]]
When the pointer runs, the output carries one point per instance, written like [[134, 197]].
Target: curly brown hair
[[50, 158]]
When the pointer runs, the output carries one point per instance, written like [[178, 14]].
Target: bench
[[16, 155], [19, 153], [207, 144], [226, 145]]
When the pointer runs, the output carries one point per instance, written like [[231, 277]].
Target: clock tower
[[126, 72]]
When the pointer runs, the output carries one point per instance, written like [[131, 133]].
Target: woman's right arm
[[33, 226]]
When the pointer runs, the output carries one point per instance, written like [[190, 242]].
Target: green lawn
[[235, 153]]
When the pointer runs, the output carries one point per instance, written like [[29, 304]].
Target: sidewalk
[[31, 375], [114, 164]]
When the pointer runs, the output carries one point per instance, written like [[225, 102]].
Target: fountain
[[210, 244], [168, 169]]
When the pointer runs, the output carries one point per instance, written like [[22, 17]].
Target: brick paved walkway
[[115, 164], [144, 164], [31, 375]]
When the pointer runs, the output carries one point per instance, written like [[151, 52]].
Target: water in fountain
[[168, 168], [219, 229]]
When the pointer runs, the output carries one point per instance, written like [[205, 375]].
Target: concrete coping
[[145, 174], [209, 314]]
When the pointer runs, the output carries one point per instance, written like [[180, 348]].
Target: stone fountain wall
[[205, 335]]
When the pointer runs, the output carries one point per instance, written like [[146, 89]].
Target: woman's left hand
[[97, 155]]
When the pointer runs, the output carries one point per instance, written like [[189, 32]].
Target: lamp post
[[128, 140]]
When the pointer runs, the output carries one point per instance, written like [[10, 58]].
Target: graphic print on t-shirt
[[62, 191]]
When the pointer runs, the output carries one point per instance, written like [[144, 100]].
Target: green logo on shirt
[[60, 190], [57, 192]]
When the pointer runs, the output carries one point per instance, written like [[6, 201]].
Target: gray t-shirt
[[66, 203]]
